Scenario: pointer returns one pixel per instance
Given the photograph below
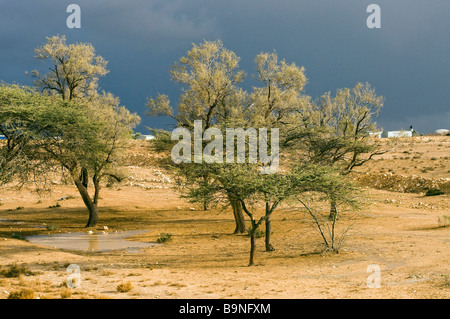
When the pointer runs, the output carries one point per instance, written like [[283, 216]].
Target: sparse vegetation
[[22, 294], [434, 192], [164, 238], [69, 131], [15, 270], [260, 233], [66, 293], [444, 221], [52, 227], [124, 287]]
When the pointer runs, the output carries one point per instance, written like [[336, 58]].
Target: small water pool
[[93, 242]]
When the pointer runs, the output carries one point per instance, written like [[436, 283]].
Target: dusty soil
[[397, 231]]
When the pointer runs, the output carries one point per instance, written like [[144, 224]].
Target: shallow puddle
[[93, 242]]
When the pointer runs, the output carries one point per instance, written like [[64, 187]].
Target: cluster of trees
[[64, 122], [321, 141]]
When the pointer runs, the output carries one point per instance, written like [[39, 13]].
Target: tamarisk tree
[[335, 131], [209, 74]]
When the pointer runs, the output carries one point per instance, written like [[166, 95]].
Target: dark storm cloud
[[407, 60]]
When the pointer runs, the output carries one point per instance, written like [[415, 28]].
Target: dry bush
[[124, 287], [444, 221], [15, 271], [66, 293], [22, 294], [401, 183]]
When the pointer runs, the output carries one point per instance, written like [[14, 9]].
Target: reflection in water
[[92, 242]]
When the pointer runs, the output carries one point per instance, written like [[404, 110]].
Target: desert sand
[[398, 231]]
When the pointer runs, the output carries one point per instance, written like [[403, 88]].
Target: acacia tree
[[88, 144], [335, 131], [85, 138], [16, 112], [255, 190], [247, 185], [73, 73], [316, 183], [273, 104], [48, 132]]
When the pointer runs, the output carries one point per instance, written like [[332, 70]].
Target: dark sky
[[407, 60]]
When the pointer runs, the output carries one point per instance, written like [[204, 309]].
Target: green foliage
[[18, 236], [74, 69], [434, 192], [259, 233], [164, 237], [16, 152], [45, 132], [209, 73], [52, 227], [334, 131]]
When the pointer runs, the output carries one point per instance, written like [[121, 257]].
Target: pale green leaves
[[74, 69]]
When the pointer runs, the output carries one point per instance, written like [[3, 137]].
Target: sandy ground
[[397, 232]]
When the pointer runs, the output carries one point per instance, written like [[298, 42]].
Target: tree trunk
[[269, 246], [252, 246], [333, 210], [84, 177], [88, 202], [238, 217], [333, 226], [93, 216]]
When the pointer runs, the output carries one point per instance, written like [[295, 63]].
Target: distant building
[[145, 137], [397, 134], [442, 131], [376, 134]]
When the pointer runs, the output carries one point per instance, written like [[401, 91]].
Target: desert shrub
[[52, 227], [444, 221], [15, 271], [18, 236], [164, 237], [404, 184], [434, 192], [258, 234], [124, 287], [66, 293], [22, 294]]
